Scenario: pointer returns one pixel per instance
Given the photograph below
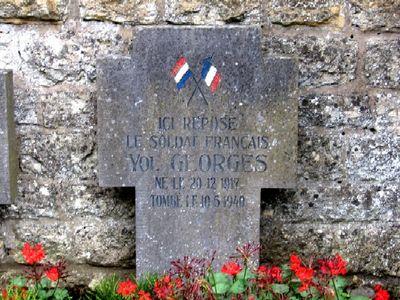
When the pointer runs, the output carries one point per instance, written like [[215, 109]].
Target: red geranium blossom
[[303, 273], [333, 267], [268, 275], [166, 287], [126, 288], [52, 274], [144, 295], [380, 293], [231, 268], [33, 255]]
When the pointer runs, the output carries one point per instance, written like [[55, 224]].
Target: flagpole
[[199, 89], [190, 99]]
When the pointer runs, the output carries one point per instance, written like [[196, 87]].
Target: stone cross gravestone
[[198, 123], [8, 157]]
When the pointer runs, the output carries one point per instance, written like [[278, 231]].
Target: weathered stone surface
[[46, 56], [338, 154], [203, 212], [212, 12], [323, 61], [332, 111], [104, 242], [387, 111], [36, 199], [51, 10], [380, 150], [382, 63], [322, 154], [8, 155], [369, 247], [87, 200], [55, 155], [383, 15], [136, 11], [83, 240], [75, 109], [304, 12], [321, 201]]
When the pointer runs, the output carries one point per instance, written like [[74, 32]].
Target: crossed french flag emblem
[[209, 73]]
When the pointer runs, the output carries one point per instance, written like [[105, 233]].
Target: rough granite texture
[[305, 12], [15, 11], [377, 15], [347, 198]]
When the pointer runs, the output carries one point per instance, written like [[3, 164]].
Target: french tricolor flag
[[181, 72], [210, 74]]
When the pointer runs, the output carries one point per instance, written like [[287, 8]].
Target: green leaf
[[218, 278], [249, 275], [340, 282], [18, 281], [286, 272], [220, 288], [267, 296], [238, 287], [61, 294], [45, 282], [43, 294], [280, 288]]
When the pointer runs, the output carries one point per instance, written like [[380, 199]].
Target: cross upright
[[198, 169]]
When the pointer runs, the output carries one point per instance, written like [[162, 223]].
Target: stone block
[[135, 11], [382, 63], [377, 15], [322, 61], [305, 12], [8, 151], [17, 11], [213, 12]]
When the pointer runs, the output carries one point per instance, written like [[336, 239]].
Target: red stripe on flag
[[215, 82], [178, 66]]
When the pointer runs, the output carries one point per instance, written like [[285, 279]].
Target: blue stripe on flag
[[206, 67], [185, 77]]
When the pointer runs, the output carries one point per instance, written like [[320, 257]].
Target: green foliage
[[146, 282], [106, 290], [280, 288], [238, 287], [19, 289]]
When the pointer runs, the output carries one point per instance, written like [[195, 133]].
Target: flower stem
[[55, 288], [334, 286]]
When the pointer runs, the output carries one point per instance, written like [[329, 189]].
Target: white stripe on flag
[[182, 71], [210, 75]]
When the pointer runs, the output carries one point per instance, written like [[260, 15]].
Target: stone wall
[[349, 138]]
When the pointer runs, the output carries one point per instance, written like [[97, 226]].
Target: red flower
[[381, 294], [178, 283], [276, 273], [164, 288], [231, 268], [144, 295], [268, 275], [52, 274], [126, 288], [295, 262], [33, 255], [303, 273], [4, 294], [333, 267]]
